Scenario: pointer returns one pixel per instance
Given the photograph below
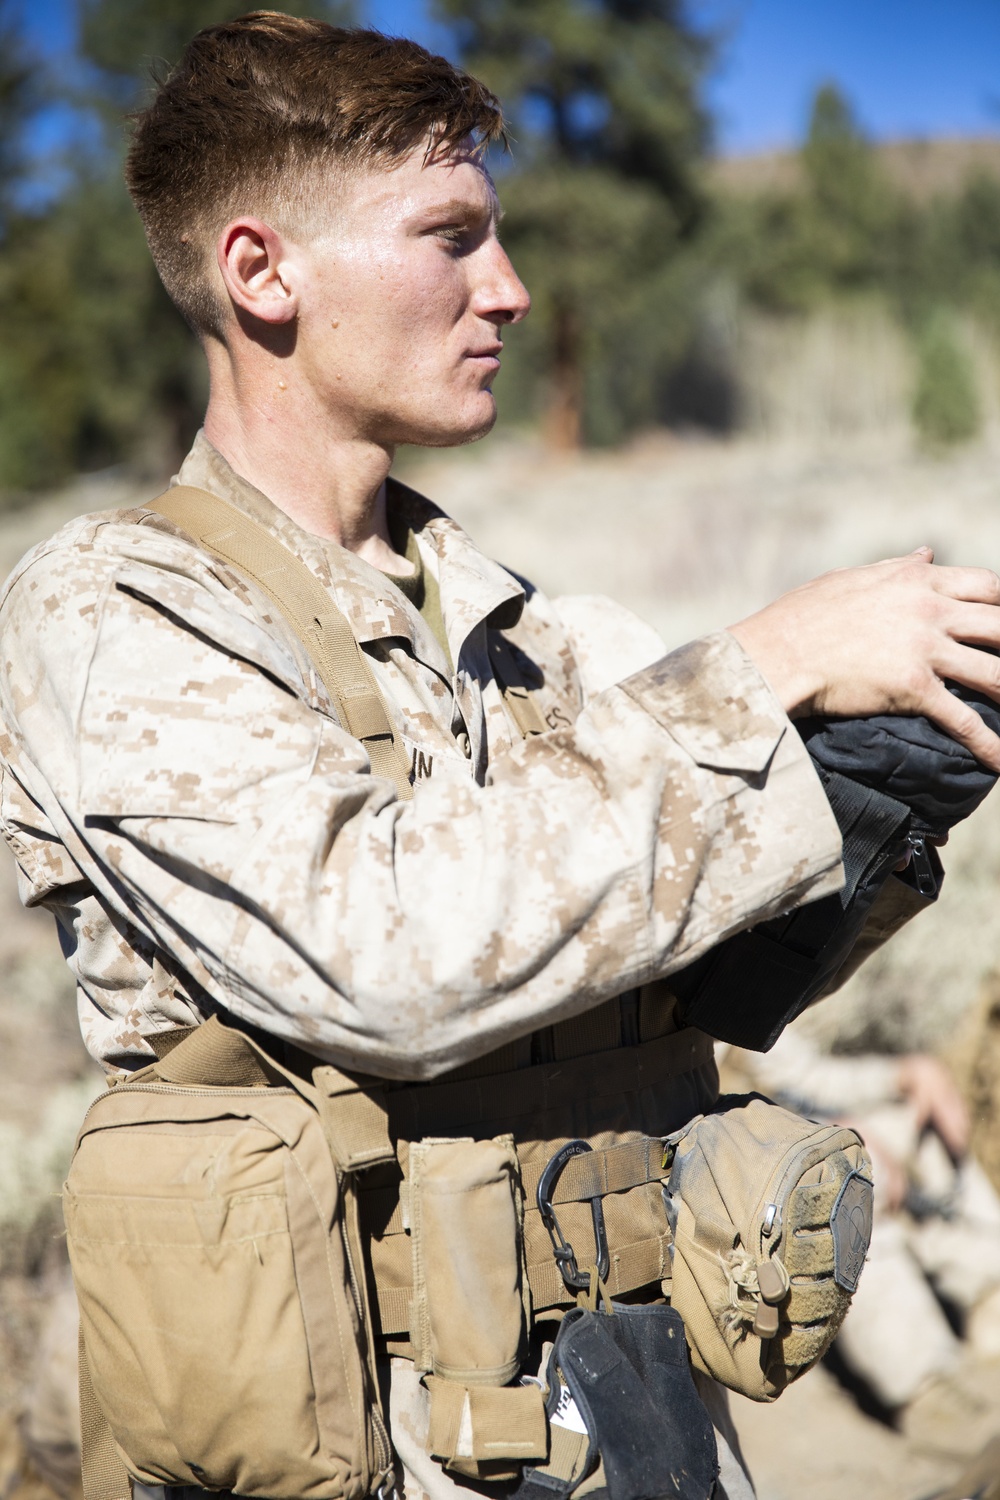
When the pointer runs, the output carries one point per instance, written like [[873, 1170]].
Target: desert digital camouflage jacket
[[177, 790]]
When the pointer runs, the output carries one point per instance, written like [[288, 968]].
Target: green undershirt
[[420, 586]]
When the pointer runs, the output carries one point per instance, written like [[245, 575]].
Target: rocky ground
[[692, 535]]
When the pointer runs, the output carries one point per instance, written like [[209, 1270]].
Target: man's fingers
[[963, 724], [976, 585], [977, 624], [971, 667]]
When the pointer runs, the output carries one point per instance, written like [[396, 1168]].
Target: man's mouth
[[489, 357]]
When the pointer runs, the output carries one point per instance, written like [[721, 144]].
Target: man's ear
[[254, 264]]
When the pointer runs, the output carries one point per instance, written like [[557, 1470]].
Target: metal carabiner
[[575, 1279]]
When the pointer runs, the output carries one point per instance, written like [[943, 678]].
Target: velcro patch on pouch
[[851, 1227], [486, 1422]]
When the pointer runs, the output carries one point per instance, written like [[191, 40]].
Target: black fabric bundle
[[893, 783], [911, 760]]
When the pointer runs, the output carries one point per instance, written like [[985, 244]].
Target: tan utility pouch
[[469, 1312], [221, 1314], [470, 1308], [771, 1217]]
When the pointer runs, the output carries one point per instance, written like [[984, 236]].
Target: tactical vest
[[615, 1076], [290, 1213]]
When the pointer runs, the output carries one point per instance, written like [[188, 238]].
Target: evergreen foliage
[[849, 232], [945, 403], [96, 366], [841, 231], [637, 271], [603, 98], [125, 42], [19, 95]]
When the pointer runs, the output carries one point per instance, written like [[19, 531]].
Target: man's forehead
[[452, 179]]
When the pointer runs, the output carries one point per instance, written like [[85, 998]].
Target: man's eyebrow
[[461, 208]]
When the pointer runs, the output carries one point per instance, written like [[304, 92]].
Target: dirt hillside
[[921, 168]]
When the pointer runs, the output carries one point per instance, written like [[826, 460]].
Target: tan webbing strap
[[523, 708], [632, 1266], [611, 1169], [105, 1477], [606, 1169], [567, 1455], [308, 608], [355, 1119], [446, 1107], [214, 1055]]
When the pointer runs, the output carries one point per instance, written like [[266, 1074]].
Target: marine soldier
[[284, 751]]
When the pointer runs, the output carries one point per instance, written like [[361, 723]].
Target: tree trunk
[[564, 418]]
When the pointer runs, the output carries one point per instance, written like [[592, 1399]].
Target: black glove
[[893, 784], [629, 1377]]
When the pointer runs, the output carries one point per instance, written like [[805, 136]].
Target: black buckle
[[575, 1279]]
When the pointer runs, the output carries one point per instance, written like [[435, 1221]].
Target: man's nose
[[502, 297]]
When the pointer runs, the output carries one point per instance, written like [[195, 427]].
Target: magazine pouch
[[469, 1311]]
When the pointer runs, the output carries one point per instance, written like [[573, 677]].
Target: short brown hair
[[254, 105]]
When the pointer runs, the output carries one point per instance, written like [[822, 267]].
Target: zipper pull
[[923, 869]]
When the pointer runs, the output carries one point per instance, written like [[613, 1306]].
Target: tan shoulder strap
[[104, 1475], [520, 703], [321, 627]]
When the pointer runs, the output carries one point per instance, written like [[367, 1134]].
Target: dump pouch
[[624, 1377], [469, 1313], [771, 1217], [223, 1206]]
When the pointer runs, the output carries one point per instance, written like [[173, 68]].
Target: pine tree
[[124, 41], [18, 99], [154, 381], [608, 136], [852, 210]]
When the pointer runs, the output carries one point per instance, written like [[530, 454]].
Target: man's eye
[[456, 233]]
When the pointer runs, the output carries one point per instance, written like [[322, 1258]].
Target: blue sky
[[911, 67]]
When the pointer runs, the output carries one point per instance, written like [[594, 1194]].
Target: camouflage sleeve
[[165, 736], [609, 641]]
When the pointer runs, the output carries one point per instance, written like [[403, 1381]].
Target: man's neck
[[333, 486]]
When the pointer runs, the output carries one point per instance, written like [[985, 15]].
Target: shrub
[[946, 407]]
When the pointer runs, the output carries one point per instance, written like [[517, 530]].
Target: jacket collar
[[473, 589]]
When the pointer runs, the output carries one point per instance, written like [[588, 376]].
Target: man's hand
[[929, 1087], [882, 639], [889, 1174]]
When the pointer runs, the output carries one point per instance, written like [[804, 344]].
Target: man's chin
[[468, 427]]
